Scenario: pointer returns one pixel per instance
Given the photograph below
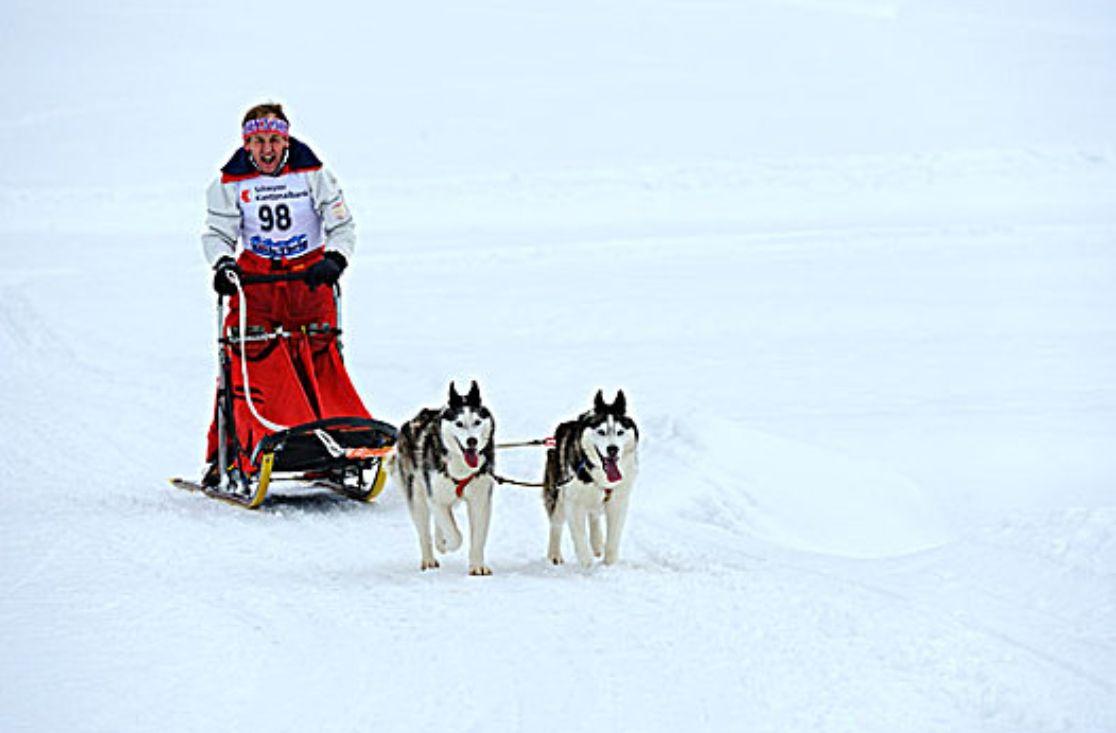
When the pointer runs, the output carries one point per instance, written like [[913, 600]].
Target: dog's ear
[[599, 403], [455, 400], [473, 399], [620, 404]]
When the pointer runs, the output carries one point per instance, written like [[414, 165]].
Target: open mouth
[[611, 469], [472, 459]]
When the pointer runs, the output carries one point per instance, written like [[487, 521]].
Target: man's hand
[[326, 270], [221, 282]]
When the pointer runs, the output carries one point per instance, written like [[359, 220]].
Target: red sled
[[286, 410]]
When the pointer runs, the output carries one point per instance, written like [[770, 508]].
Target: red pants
[[293, 380]]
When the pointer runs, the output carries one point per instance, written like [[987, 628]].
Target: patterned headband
[[265, 125]]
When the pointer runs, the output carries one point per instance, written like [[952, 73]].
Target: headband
[[265, 125]]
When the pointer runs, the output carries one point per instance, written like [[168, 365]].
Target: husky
[[590, 472], [444, 456]]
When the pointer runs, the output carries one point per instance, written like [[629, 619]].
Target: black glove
[[326, 270], [221, 282]]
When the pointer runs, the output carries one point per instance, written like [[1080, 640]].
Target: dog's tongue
[[612, 471], [471, 457]]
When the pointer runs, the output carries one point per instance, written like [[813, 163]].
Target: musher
[[275, 198]]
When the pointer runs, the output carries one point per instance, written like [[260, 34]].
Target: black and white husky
[[590, 472], [444, 456]]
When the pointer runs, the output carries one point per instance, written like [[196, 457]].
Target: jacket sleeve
[[337, 222], [222, 222]]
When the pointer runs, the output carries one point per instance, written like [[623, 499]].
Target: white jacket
[[225, 214]]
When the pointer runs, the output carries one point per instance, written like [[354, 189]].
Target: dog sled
[[286, 411]]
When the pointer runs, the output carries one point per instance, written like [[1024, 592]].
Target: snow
[[773, 484], [850, 260]]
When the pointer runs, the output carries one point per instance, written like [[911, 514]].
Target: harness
[[459, 487], [581, 470]]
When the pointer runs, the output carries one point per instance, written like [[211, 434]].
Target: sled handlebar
[[278, 277]]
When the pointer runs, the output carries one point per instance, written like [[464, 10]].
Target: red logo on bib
[[246, 196]]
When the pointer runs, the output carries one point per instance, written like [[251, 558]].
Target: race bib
[[278, 217]]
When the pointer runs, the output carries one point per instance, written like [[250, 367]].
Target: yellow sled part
[[264, 480], [245, 502], [378, 483]]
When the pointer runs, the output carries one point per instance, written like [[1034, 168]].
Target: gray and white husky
[[590, 472], [445, 456]]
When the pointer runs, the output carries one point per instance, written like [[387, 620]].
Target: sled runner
[[287, 411]]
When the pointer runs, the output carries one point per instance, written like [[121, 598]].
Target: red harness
[[465, 482]]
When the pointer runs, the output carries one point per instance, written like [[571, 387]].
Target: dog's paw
[[480, 570], [598, 553], [430, 564], [555, 559]]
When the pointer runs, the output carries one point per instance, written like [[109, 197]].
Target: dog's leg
[[420, 513], [479, 507], [446, 533], [577, 519], [596, 539], [554, 547], [616, 512]]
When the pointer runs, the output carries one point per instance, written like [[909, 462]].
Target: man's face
[[266, 149]]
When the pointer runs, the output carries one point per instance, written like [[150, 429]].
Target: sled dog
[[590, 472], [444, 456]]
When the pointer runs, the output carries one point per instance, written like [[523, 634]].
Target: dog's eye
[[600, 431], [619, 433], [459, 424]]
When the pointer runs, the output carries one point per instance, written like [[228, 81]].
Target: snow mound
[[783, 491]]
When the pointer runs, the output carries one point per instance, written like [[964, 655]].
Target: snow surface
[[852, 262]]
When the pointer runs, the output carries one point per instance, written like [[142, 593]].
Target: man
[[275, 199]]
